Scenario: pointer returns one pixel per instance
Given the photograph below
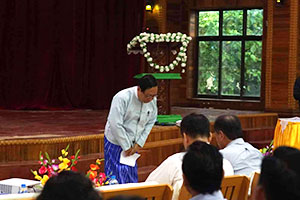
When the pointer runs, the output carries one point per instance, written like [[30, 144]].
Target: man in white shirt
[[132, 115], [243, 157], [202, 171], [193, 127]]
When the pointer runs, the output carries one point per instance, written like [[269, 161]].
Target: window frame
[[220, 38]]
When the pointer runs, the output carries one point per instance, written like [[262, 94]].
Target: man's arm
[[116, 121], [144, 135]]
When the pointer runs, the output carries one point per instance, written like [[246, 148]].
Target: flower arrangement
[[97, 177], [268, 150], [49, 167], [144, 38]]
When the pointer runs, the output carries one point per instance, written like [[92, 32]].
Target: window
[[229, 53]]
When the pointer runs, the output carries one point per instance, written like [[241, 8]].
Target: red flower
[[94, 167], [74, 169], [93, 174], [42, 170], [72, 157]]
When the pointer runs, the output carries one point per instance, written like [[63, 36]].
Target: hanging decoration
[[144, 38]]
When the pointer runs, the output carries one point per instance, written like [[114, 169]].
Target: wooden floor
[[23, 134]]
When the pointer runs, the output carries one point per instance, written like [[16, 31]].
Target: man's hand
[[128, 152], [132, 150]]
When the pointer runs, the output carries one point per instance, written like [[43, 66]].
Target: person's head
[[195, 127], [227, 128], [282, 151], [279, 178], [69, 185], [147, 88], [202, 168]]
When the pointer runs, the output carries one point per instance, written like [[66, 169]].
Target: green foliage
[[208, 23], [208, 67], [233, 22], [208, 54]]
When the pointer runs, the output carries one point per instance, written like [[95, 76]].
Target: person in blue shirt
[[132, 115]]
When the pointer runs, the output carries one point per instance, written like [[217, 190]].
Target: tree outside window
[[230, 53]]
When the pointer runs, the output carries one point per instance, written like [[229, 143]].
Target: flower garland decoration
[[97, 177], [144, 38], [49, 168]]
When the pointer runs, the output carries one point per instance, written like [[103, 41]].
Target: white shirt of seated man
[[170, 171]]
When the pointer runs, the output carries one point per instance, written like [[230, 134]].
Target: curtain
[[66, 54]]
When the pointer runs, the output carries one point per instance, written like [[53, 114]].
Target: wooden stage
[[23, 134]]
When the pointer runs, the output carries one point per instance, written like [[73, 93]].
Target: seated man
[[194, 127], [243, 157], [279, 178], [202, 171]]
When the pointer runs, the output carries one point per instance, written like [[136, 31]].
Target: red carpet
[[38, 124]]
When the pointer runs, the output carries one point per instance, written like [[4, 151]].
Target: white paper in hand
[[129, 160]]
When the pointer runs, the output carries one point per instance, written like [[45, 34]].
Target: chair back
[[149, 192], [184, 194], [235, 187], [253, 183]]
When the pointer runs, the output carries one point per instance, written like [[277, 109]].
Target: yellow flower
[[66, 160], [98, 162], [35, 173], [63, 166], [45, 179], [64, 152], [60, 158], [37, 177]]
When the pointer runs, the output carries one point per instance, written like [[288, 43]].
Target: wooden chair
[[147, 191], [184, 194], [253, 184], [235, 187]]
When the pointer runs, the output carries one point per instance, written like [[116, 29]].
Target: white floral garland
[[144, 38]]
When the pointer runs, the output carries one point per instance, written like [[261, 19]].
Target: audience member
[[202, 171], [243, 157], [282, 151], [69, 185], [194, 127], [279, 178]]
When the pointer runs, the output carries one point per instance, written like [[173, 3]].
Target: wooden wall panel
[[280, 53]]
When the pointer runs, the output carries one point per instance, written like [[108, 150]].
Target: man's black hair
[[147, 82], [280, 177], [195, 125], [69, 185], [230, 125], [203, 167]]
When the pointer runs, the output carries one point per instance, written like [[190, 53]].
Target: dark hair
[[230, 125], [146, 82], [69, 185], [282, 151], [127, 197], [195, 125], [202, 167], [281, 178]]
